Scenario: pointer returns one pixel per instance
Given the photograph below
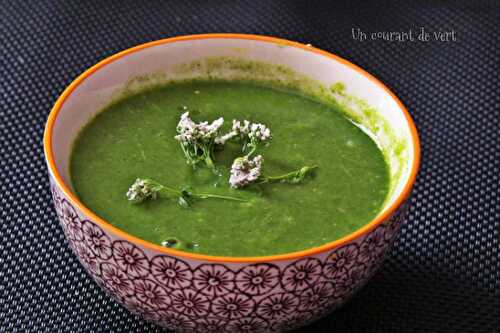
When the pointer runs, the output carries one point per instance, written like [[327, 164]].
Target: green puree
[[134, 138]]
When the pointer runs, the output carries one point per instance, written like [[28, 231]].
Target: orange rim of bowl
[[379, 219]]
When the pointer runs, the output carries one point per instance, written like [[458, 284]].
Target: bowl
[[191, 292]]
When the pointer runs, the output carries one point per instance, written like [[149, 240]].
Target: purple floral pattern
[[97, 241], [131, 258], [373, 246], [115, 279], [88, 259], [189, 296], [247, 325], [233, 306], [211, 325], [258, 279], [171, 272], [302, 274], [277, 306], [346, 283], [340, 261], [71, 221], [190, 303], [151, 294], [316, 297], [213, 280]]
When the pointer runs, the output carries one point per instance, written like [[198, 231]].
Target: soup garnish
[[306, 176]]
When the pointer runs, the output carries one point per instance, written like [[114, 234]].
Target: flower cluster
[[197, 139], [192, 133], [238, 130], [142, 190], [241, 129], [259, 133], [245, 170], [250, 134]]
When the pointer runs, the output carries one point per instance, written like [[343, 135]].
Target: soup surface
[[134, 138]]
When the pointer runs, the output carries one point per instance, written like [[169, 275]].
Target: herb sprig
[[198, 140], [294, 177], [249, 134], [247, 169], [146, 189]]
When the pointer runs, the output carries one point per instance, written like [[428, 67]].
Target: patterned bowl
[[200, 293]]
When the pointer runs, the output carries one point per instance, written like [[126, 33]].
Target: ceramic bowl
[[200, 293]]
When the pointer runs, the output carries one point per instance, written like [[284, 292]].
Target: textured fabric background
[[444, 272]]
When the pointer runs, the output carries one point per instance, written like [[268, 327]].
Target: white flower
[[245, 170], [209, 131], [241, 129], [237, 130], [186, 129], [222, 139], [259, 132], [192, 133], [141, 190], [246, 130]]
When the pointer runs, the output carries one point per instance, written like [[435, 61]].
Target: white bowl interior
[[168, 61]]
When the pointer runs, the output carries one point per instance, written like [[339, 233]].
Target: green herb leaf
[[294, 177], [187, 191], [183, 202]]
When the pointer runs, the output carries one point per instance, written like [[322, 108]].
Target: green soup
[[134, 138]]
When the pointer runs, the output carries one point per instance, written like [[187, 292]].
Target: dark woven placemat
[[444, 272]]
